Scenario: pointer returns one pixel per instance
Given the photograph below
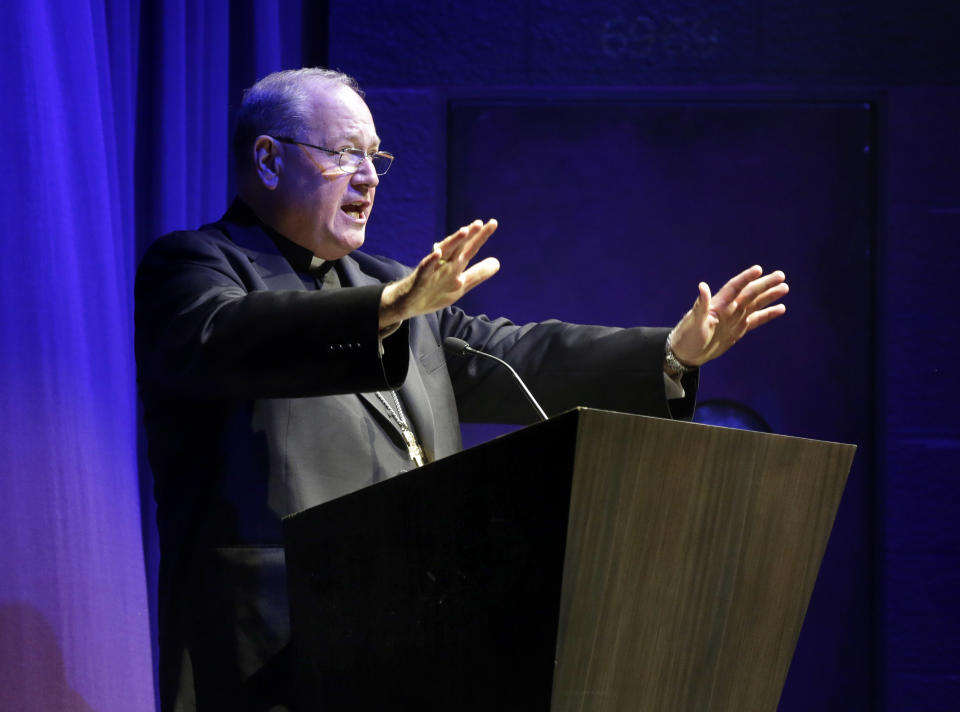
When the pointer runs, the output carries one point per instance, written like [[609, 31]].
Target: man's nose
[[366, 174]]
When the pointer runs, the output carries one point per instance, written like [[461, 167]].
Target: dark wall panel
[[920, 426]]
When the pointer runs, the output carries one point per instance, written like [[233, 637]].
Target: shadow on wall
[[32, 674]]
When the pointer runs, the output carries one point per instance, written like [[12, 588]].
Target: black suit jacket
[[258, 399]]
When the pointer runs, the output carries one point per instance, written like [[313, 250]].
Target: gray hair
[[279, 105]]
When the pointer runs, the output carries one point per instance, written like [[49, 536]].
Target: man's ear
[[267, 161]]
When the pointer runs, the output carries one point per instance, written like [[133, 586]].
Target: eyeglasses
[[350, 159]]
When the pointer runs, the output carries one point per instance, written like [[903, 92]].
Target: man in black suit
[[279, 367]]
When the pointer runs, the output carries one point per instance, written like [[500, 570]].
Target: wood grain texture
[[691, 555]]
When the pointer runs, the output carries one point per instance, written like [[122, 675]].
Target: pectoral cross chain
[[409, 437]]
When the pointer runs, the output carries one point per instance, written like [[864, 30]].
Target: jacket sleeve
[[208, 326], [564, 365]]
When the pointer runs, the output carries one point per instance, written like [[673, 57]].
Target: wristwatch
[[671, 360]]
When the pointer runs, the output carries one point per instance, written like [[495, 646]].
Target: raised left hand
[[715, 323]]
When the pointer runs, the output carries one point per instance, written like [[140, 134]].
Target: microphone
[[460, 347]]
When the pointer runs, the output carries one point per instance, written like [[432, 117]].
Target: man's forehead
[[338, 100], [339, 113]]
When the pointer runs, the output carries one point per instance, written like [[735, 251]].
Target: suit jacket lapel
[[256, 244]]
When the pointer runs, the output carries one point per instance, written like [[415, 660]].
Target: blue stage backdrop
[[115, 125], [74, 623], [629, 150]]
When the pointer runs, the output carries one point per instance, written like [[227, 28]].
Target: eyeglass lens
[[350, 161]]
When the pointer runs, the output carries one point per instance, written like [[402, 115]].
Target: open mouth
[[354, 210]]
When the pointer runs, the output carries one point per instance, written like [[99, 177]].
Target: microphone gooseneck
[[459, 347]]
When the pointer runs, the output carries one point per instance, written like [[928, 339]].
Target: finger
[[759, 318], [735, 285], [725, 308], [702, 305], [431, 258], [433, 261], [755, 297], [477, 233], [457, 252], [761, 285], [472, 245], [448, 245], [770, 296], [478, 273], [749, 298], [448, 248]]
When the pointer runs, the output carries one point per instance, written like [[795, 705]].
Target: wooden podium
[[594, 562]]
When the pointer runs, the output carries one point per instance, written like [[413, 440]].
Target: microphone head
[[455, 345]]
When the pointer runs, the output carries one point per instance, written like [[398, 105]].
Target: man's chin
[[344, 244], [355, 240], [334, 244]]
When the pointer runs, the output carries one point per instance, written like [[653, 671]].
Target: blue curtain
[[115, 128], [74, 628]]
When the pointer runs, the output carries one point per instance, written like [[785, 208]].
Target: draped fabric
[[115, 128]]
